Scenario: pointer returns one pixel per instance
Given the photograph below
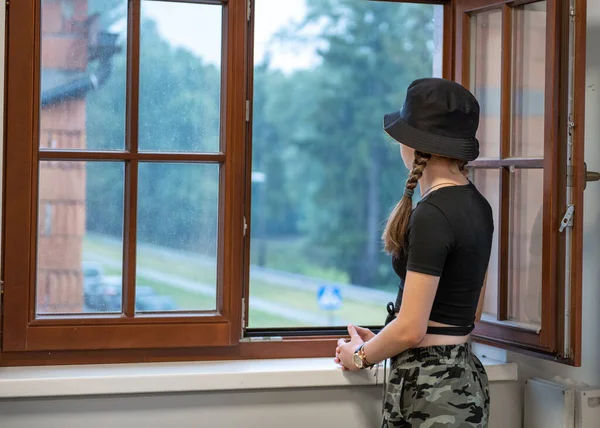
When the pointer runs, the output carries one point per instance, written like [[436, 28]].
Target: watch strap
[[360, 351]]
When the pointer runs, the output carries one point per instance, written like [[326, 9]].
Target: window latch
[[567, 219]]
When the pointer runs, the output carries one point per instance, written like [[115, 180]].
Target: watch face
[[358, 362]]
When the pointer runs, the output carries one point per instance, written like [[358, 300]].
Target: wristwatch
[[359, 358]]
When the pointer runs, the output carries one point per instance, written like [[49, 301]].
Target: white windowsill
[[19, 382]]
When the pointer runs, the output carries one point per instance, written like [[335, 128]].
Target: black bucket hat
[[439, 117]]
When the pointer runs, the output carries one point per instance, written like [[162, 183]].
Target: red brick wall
[[61, 218]]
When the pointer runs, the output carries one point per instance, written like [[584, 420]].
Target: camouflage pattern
[[437, 387]]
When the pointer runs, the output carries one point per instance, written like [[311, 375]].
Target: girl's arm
[[410, 326], [481, 299]]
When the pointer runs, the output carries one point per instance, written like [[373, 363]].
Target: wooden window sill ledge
[[20, 382]]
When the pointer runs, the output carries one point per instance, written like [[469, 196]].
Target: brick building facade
[[75, 59]]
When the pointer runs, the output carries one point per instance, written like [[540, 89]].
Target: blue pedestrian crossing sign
[[329, 297]]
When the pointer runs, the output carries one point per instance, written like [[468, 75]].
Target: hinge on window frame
[[243, 332], [567, 220], [248, 9], [567, 354], [262, 339], [245, 226], [247, 110]]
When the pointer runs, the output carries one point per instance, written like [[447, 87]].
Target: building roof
[[59, 85]]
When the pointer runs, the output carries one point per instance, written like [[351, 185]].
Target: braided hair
[[394, 235]]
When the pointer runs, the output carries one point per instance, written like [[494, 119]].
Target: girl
[[440, 250]]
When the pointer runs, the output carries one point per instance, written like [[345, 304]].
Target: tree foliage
[[331, 173], [372, 50], [179, 111]]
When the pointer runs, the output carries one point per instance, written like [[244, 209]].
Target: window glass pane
[[486, 75], [177, 237], [83, 74], [528, 80], [525, 246], [325, 175], [80, 237], [180, 77], [488, 183]]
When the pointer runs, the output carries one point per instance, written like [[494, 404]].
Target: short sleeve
[[430, 239]]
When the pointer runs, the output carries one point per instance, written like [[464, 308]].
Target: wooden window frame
[[30, 341], [549, 341], [23, 331]]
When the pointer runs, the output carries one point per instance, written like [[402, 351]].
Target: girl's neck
[[441, 174]]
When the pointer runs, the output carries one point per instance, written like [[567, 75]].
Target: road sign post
[[329, 299]]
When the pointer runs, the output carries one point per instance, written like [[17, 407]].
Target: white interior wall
[[358, 407], [348, 407]]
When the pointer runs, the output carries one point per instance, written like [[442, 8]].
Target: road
[[275, 277], [257, 303]]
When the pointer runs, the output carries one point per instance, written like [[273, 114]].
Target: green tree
[[371, 52], [331, 173], [179, 103], [278, 126]]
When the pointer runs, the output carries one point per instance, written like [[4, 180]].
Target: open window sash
[[531, 139]]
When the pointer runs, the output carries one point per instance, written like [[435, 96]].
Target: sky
[[197, 27]]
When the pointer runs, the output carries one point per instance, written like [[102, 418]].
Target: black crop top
[[450, 236]]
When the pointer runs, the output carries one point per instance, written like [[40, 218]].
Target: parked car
[[92, 281], [146, 299], [111, 291], [154, 303]]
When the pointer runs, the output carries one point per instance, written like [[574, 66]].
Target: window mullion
[[232, 181], [505, 176], [131, 171], [505, 84], [503, 238]]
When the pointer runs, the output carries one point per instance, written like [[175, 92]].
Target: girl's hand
[[344, 353], [337, 355], [364, 333]]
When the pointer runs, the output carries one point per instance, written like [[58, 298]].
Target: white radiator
[[556, 404]]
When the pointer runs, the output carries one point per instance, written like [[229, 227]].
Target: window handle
[[590, 175]]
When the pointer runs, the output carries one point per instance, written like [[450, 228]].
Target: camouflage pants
[[440, 386]]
